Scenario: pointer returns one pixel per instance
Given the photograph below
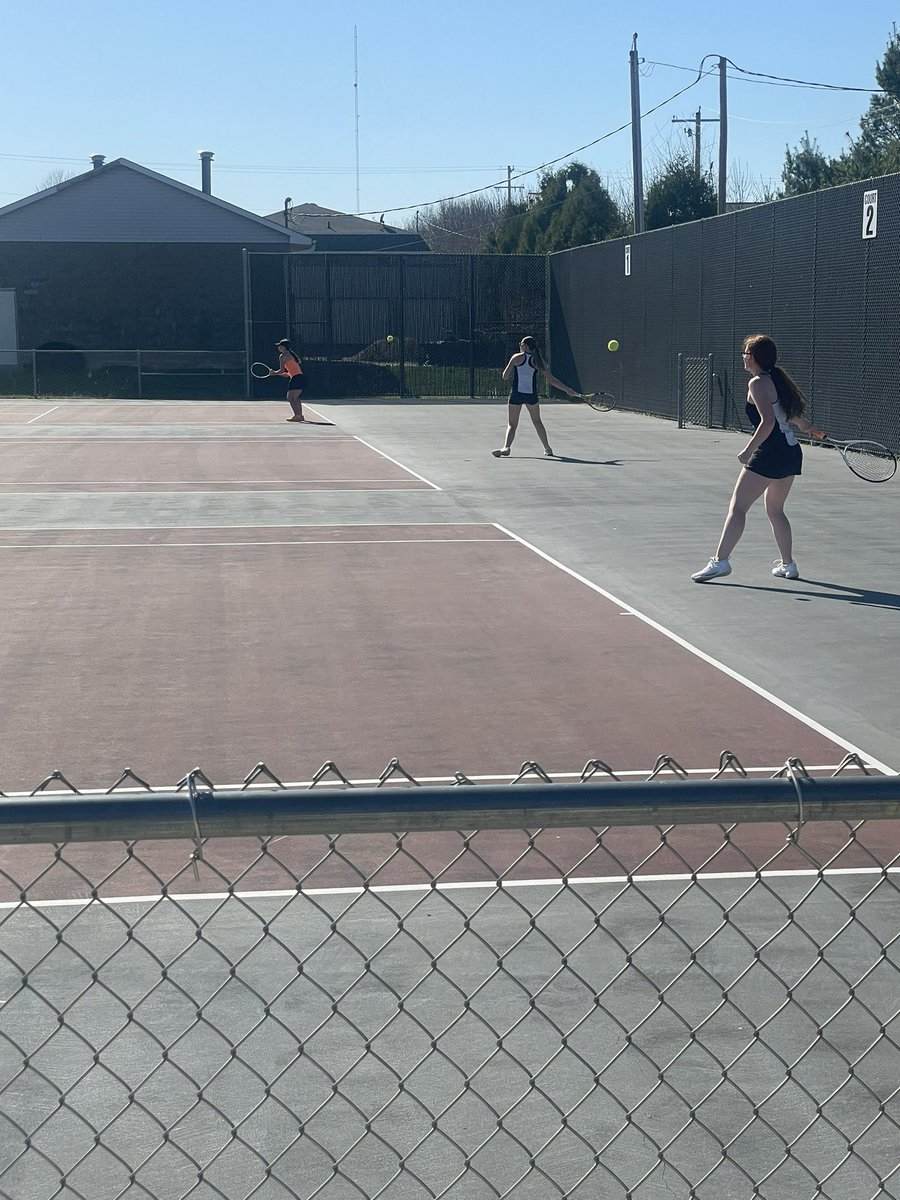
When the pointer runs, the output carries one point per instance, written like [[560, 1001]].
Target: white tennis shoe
[[783, 570], [716, 568]]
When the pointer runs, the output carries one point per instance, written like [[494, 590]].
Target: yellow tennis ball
[[390, 337], [612, 344]]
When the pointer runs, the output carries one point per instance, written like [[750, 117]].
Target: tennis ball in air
[[612, 344], [390, 337]]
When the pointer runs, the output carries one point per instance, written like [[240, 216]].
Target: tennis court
[[206, 586], [453, 644]]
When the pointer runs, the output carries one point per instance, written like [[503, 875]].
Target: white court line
[[707, 658], [272, 542], [429, 524], [198, 490], [499, 885], [43, 414], [399, 464], [285, 439], [186, 482]]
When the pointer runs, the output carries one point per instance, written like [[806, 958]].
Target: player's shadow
[[838, 591], [591, 462]]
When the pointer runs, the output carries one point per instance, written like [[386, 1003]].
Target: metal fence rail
[[596, 988], [123, 374]]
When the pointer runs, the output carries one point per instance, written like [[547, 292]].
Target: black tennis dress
[[780, 455]]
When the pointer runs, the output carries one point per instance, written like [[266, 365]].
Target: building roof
[[122, 201], [333, 230]]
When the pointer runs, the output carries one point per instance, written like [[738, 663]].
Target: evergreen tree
[[678, 194], [806, 169], [875, 151], [571, 208]]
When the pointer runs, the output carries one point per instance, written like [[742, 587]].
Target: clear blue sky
[[449, 93]]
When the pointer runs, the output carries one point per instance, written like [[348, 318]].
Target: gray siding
[[118, 204]]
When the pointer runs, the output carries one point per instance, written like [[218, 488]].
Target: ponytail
[[789, 394], [532, 350], [764, 353]]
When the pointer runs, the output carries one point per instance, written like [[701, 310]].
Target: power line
[[774, 80], [543, 166]]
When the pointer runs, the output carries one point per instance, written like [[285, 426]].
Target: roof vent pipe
[[206, 157], [98, 160]]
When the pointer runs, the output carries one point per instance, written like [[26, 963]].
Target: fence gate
[[695, 376]]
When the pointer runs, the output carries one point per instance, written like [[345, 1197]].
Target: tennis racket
[[600, 401], [260, 371], [867, 460]]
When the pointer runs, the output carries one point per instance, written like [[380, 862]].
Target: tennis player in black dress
[[521, 372], [770, 462]]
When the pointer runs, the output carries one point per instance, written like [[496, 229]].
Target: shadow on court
[[848, 595], [590, 462]]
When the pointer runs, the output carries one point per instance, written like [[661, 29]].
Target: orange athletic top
[[291, 368]]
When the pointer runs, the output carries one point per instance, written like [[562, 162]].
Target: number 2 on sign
[[870, 214]]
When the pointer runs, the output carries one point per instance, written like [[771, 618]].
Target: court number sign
[[870, 214], [627, 259]]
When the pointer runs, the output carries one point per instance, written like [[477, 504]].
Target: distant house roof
[[125, 202], [333, 230]]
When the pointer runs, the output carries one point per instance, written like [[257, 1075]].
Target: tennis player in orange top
[[291, 368]]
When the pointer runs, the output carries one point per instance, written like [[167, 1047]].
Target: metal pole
[[472, 326], [229, 813], [723, 135], [248, 345], [329, 324], [34, 372], [401, 322], [636, 154], [356, 107], [509, 172], [697, 122]]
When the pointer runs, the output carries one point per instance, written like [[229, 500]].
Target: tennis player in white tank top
[[521, 372]]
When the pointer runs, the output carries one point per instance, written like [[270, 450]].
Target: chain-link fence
[[396, 324], [807, 270], [596, 988], [123, 374]]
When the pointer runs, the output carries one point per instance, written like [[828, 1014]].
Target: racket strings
[[870, 461]]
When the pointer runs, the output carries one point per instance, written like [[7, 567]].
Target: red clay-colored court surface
[[455, 648], [191, 464], [147, 413]]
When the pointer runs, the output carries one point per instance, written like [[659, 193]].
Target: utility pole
[[509, 172], [356, 107], [723, 135], [637, 166], [696, 120]]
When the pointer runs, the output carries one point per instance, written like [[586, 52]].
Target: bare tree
[[458, 226], [56, 176], [743, 188]]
